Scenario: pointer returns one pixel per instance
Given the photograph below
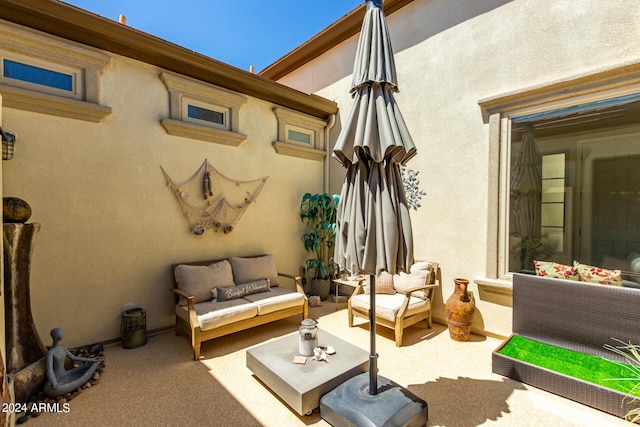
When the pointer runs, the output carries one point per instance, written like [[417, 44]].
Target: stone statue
[[60, 380]]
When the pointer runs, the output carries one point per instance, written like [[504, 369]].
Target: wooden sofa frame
[[198, 336]]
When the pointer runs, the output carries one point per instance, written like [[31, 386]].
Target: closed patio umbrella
[[526, 198], [373, 223]]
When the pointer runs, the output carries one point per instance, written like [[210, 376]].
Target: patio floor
[[160, 385]]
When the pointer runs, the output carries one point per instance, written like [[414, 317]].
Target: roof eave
[[344, 28], [72, 23]]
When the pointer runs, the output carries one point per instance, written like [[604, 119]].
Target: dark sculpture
[[60, 380], [24, 345]]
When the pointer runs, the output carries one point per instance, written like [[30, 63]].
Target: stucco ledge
[[496, 291], [297, 151], [24, 99], [203, 133]]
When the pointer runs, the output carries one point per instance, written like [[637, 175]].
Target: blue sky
[[238, 32]]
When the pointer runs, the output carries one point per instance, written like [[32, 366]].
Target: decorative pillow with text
[[233, 292]]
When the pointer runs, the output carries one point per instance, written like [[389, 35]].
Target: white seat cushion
[[387, 306], [215, 314], [276, 299]]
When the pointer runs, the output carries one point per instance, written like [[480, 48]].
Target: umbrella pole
[[373, 357]]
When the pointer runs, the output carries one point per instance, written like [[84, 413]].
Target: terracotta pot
[[460, 310]]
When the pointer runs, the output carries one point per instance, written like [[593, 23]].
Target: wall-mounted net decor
[[212, 200]]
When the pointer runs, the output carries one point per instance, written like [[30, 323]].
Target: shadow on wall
[[419, 24], [466, 402]]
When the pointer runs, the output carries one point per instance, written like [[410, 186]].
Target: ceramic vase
[[459, 310]]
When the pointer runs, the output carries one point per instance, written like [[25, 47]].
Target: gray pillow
[[247, 270], [198, 280], [233, 292]]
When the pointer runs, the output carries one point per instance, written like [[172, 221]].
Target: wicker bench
[[576, 316]]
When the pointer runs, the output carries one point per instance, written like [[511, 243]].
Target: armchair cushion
[[247, 270], [388, 306], [199, 280]]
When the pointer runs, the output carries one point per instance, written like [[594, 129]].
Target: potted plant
[[318, 213]]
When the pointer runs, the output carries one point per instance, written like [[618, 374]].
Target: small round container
[[308, 337]]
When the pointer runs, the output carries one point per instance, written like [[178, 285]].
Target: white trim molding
[[19, 43], [182, 90], [302, 123]]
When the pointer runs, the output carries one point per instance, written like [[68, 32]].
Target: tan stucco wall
[[111, 227], [450, 55]]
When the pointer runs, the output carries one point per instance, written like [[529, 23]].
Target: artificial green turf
[[593, 369]]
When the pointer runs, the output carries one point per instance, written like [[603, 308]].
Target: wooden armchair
[[407, 303]]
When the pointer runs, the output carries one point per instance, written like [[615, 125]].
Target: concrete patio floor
[[160, 385]]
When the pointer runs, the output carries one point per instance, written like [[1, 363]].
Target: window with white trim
[[299, 134], [199, 110], [575, 185], [42, 74], [17, 70], [205, 114], [570, 174]]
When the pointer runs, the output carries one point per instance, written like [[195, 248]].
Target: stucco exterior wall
[[449, 55], [111, 226]]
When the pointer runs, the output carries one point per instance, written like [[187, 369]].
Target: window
[[582, 203], [553, 199], [36, 75], [205, 114], [295, 136], [566, 161], [41, 74], [202, 111], [299, 134]]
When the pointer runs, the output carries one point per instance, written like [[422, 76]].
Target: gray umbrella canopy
[[373, 224]]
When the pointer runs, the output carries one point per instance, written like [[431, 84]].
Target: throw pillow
[[591, 274], [233, 292], [383, 283], [555, 270], [250, 269], [198, 280]]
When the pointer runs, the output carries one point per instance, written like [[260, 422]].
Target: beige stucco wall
[[111, 227], [449, 55]]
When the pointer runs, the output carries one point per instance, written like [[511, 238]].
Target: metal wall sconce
[[8, 141]]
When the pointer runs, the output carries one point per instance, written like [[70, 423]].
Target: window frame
[[42, 50], [498, 113], [186, 102], [184, 91], [77, 80], [303, 123]]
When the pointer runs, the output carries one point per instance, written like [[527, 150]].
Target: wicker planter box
[[602, 398], [576, 316]]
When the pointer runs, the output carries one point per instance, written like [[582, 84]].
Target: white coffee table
[[302, 386]]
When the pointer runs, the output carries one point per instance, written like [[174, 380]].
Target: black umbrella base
[[350, 404]]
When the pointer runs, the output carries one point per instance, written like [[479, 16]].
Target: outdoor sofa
[[577, 316], [221, 297]]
